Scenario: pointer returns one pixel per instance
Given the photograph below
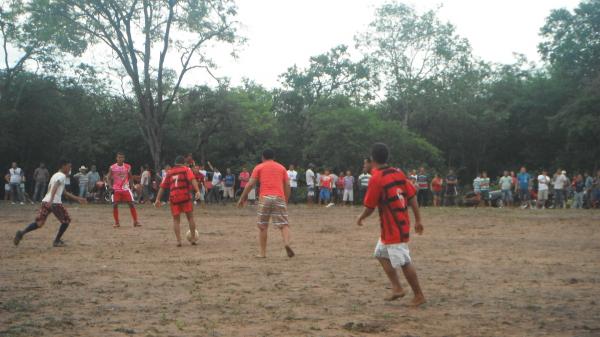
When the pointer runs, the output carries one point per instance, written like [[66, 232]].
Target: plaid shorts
[[59, 211], [272, 208]]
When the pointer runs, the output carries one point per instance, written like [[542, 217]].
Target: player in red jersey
[[178, 180], [118, 178], [392, 193]]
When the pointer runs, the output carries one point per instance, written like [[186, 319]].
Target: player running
[[179, 181], [118, 178], [52, 203], [392, 194]]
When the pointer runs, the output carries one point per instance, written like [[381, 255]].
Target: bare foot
[[417, 301], [258, 256], [289, 251], [179, 244], [116, 225], [395, 296], [137, 224]]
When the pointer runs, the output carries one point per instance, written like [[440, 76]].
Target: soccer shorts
[[59, 211], [272, 208], [184, 207], [228, 192], [397, 253], [122, 196]]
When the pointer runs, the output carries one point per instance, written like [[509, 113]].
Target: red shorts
[[122, 196], [184, 207]]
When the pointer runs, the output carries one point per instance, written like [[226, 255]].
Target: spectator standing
[[484, 185], [423, 184], [310, 184], [579, 189], [41, 177], [16, 176], [94, 177], [589, 181], [339, 188], [451, 189], [229, 186], [326, 188], [363, 184], [523, 187], [543, 188], [348, 196], [506, 184], [559, 184], [82, 180], [596, 190], [293, 176], [217, 183], [436, 187], [477, 189], [243, 177], [145, 181]]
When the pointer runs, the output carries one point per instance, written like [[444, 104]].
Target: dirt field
[[492, 272]]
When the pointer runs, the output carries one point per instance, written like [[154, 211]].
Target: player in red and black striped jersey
[[392, 193], [179, 180]]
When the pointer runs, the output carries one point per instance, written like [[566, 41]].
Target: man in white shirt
[[559, 184], [543, 182], [145, 180], [363, 183], [16, 177], [310, 184], [293, 176], [217, 183], [52, 203]]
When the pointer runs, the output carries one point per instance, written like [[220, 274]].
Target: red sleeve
[[374, 191], [256, 172], [166, 182], [189, 174], [409, 189]]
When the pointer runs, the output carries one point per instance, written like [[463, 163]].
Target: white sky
[[282, 33]]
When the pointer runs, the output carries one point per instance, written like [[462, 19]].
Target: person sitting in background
[[579, 189], [41, 176], [506, 183], [542, 195], [436, 187]]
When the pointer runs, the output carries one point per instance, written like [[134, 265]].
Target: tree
[[135, 29], [406, 49], [26, 33]]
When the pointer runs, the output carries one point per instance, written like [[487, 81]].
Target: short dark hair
[[380, 153], [268, 154], [63, 162], [179, 160], [120, 153]]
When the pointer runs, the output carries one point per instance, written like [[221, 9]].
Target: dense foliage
[[417, 88]]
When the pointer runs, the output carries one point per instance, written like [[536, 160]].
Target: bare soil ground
[[485, 272]]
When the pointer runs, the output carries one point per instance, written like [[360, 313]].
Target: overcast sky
[[285, 32]]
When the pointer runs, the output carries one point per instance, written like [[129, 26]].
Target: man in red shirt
[[274, 194], [178, 180], [391, 192]]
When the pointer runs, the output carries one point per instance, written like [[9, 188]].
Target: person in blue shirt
[[229, 190], [523, 186]]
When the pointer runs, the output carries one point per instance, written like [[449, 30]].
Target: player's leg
[[132, 209], [115, 203], [60, 212], [390, 271], [264, 216], [39, 222], [192, 224], [279, 217], [177, 228], [410, 274]]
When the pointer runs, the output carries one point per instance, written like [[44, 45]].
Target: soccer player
[[274, 195], [118, 178], [178, 180], [52, 203], [391, 192]]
